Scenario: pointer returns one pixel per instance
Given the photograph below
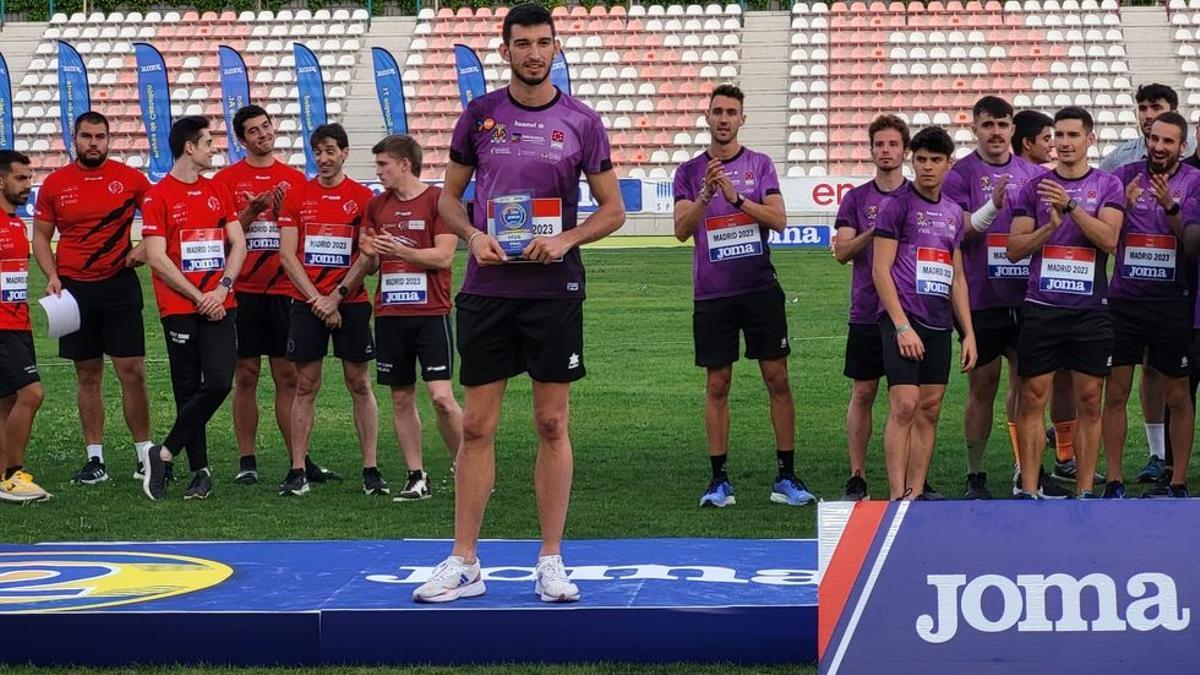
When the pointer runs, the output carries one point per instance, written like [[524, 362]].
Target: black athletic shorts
[[933, 369], [996, 332], [18, 362], [1160, 332], [308, 337], [1053, 338], [262, 325], [110, 318], [759, 316], [864, 352], [402, 340], [499, 338]]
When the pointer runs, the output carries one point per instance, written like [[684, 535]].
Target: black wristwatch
[[343, 291], [1174, 210], [226, 283], [1070, 207], [740, 200]]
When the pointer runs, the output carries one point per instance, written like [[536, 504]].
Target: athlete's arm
[[849, 243], [235, 237], [156, 256], [608, 217], [42, 233], [289, 239], [354, 276], [440, 256], [688, 215], [1191, 238], [961, 303], [770, 213], [1023, 239], [1103, 231], [453, 213], [909, 342]]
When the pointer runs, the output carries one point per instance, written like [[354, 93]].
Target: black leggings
[[203, 354]]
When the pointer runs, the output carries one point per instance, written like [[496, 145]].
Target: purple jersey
[[858, 211], [993, 280], [927, 234], [731, 255], [1150, 260], [529, 159], [1069, 271]]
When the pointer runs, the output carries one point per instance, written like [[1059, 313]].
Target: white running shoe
[[552, 584], [452, 579]]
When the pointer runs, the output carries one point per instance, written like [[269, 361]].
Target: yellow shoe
[[20, 488]]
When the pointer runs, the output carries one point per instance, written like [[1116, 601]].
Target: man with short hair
[[1149, 296], [1068, 220], [1033, 137], [521, 305], [258, 184], [1151, 100], [21, 391], [91, 203], [412, 304], [196, 248], [855, 222], [918, 273], [728, 198], [318, 248]]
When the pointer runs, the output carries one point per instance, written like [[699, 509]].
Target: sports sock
[[96, 452], [248, 463], [1012, 438], [140, 448], [1156, 438], [785, 462], [718, 465], [1064, 441], [975, 450]]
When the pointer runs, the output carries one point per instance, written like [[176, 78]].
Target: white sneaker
[[452, 579], [552, 584]]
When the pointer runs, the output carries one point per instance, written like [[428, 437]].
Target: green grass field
[[637, 427]]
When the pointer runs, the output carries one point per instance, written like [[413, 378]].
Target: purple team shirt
[[994, 281], [731, 255], [1150, 259], [1069, 271], [535, 153], [859, 211], [927, 234]]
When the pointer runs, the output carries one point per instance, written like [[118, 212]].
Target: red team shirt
[[192, 218], [14, 274], [328, 220], [262, 272], [406, 289], [93, 211]]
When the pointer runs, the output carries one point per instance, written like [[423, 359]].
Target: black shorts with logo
[[262, 325], [499, 338], [1054, 338], [759, 316], [996, 332], [864, 352], [18, 361], [1160, 332], [402, 340], [308, 336], [933, 369], [110, 318]]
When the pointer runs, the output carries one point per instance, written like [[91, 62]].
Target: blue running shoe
[[1153, 471], [1114, 490], [719, 493], [791, 491], [1178, 492]]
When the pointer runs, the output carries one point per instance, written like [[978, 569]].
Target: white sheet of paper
[[63, 312]]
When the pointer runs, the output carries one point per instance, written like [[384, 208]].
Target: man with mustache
[[521, 304], [1149, 296], [91, 203], [21, 392]]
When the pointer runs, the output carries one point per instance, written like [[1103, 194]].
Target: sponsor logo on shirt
[[500, 134], [557, 136], [872, 212], [214, 204], [116, 187], [485, 124]]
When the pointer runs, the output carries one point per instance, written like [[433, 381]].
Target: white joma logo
[[1152, 603], [694, 573]]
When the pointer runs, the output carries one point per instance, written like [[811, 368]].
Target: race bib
[[328, 245], [262, 235], [1149, 257], [1068, 269], [514, 220], [14, 281], [202, 250], [734, 236], [399, 284], [935, 272], [998, 264]]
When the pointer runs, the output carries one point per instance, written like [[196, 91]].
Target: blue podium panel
[[294, 603]]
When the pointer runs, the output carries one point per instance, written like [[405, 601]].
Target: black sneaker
[[1024, 495], [1161, 487], [295, 483], [1051, 437], [373, 482], [977, 486], [154, 483], [1154, 470], [315, 473], [930, 494], [856, 489], [201, 486], [1178, 492], [1114, 490], [1048, 489], [92, 473], [246, 477], [415, 488], [1065, 471]]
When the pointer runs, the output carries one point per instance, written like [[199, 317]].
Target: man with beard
[[196, 248], [91, 203], [728, 198], [855, 223], [1149, 296], [258, 184], [521, 305], [21, 390]]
